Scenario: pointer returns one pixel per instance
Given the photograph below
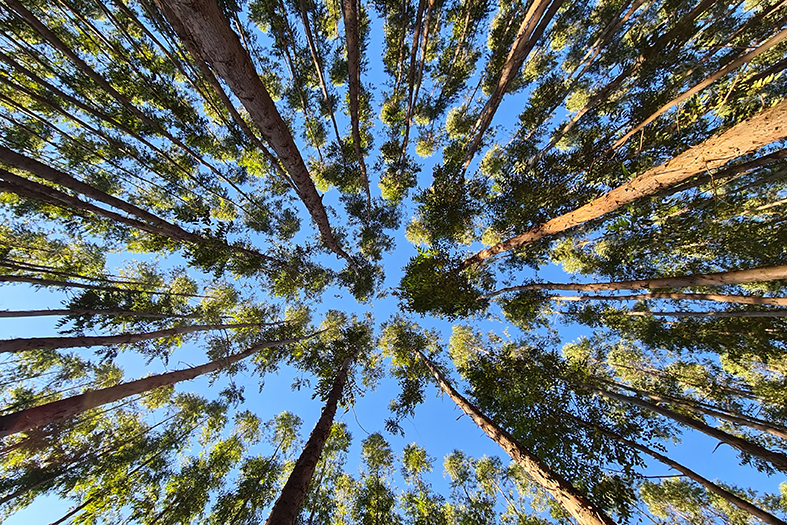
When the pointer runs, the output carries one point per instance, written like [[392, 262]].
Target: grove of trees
[[565, 218]]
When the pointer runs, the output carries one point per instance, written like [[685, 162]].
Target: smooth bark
[[203, 25], [755, 275], [350, 14], [719, 298], [531, 29], [45, 343], [51, 412], [585, 512], [743, 138], [288, 505]]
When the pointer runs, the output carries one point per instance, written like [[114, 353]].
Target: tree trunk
[[350, 13], [51, 412], [46, 343], [757, 424], [531, 29], [755, 275], [145, 221], [564, 492], [746, 137], [288, 505], [743, 59], [130, 313], [742, 504], [765, 313], [58, 44], [776, 459], [604, 93], [202, 23], [67, 284], [318, 67], [721, 298]]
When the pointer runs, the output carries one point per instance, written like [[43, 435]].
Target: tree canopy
[[564, 218]]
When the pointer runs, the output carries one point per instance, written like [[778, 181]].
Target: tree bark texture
[[585, 512], [288, 505], [203, 25], [51, 412], [746, 137]]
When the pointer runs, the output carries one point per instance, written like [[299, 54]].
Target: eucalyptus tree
[[239, 139]]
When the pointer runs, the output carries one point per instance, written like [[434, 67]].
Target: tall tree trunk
[[743, 138], [58, 44], [782, 312], [776, 459], [202, 23], [773, 273], [604, 93], [533, 26], [45, 343], [350, 13], [64, 312], [720, 298], [318, 67], [141, 220], [696, 406], [288, 505], [743, 59], [51, 412], [67, 284], [585, 512], [742, 504]]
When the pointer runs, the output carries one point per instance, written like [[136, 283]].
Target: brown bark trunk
[[776, 459], [575, 503], [130, 313], [144, 220], [318, 67], [350, 12], [51, 412], [720, 298], [202, 23], [531, 29], [50, 174], [288, 505], [768, 313], [45, 343], [746, 137], [743, 59], [755, 275], [709, 485]]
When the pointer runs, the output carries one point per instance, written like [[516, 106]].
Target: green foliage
[[432, 285]]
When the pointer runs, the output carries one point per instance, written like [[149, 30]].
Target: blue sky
[[438, 425]]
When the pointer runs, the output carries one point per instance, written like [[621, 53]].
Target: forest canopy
[[565, 218]]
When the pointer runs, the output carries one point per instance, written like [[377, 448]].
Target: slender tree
[[50, 412], [288, 505], [574, 502]]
